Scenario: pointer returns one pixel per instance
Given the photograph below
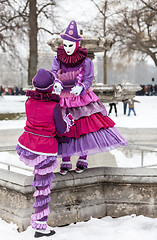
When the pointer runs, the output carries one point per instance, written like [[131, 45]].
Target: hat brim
[[47, 88], [70, 38]]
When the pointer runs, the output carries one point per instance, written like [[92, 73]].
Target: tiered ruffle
[[78, 101], [44, 181], [46, 170], [92, 143], [38, 225], [40, 215], [93, 131], [31, 159], [89, 124], [43, 171], [42, 192], [86, 111], [41, 202]]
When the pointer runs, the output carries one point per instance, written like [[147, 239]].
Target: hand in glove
[[69, 121], [76, 90], [57, 88]]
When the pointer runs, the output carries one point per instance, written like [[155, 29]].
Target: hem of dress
[[40, 153], [93, 151]]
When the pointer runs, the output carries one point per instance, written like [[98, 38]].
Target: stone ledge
[[22, 183], [97, 192]]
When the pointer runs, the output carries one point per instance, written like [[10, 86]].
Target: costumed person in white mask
[[93, 131]]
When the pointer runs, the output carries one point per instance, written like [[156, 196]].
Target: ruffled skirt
[[93, 131]]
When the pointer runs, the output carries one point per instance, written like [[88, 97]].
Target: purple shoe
[[64, 171]]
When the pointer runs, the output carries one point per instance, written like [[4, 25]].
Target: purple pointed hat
[[43, 80], [71, 33]]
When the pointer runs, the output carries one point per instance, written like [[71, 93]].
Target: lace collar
[[74, 59]]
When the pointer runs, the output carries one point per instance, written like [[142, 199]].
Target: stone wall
[[98, 192]]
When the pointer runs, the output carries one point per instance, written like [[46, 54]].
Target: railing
[[143, 149]]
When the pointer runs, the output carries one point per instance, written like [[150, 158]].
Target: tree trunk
[[105, 62], [33, 48], [105, 68]]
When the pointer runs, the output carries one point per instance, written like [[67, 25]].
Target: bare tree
[[11, 21], [24, 19], [151, 4], [33, 42], [103, 11], [100, 27], [135, 31]]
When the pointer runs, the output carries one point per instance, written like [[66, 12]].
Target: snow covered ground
[[146, 118], [145, 110], [12, 104], [127, 227]]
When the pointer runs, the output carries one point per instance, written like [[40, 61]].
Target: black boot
[[41, 234]]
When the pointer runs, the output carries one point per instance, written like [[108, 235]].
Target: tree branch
[[46, 30], [98, 7], [44, 6], [149, 6]]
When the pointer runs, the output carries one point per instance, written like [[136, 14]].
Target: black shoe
[[39, 234]]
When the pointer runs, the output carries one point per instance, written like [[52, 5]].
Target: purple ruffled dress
[[94, 131]]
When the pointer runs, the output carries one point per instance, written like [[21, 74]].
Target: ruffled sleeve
[[88, 75]]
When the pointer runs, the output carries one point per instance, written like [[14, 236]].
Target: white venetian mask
[[69, 47]]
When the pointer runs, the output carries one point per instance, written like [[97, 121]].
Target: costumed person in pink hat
[[93, 131], [38, 147]]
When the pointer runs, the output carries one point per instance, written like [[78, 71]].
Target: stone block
[[97, 192]]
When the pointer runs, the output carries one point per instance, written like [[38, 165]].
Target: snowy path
[[128, 227], [124, 228]]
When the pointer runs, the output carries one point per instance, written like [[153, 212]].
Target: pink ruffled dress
[[93, 131]]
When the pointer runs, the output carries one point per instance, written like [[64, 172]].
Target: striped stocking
[[43, 183]]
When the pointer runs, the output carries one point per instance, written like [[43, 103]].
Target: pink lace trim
[[34, 162], [44, 171], [44, 192], [78, 101], [38, 225], [40, 215]]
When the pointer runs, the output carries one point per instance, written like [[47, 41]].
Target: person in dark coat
[[112, 105]]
